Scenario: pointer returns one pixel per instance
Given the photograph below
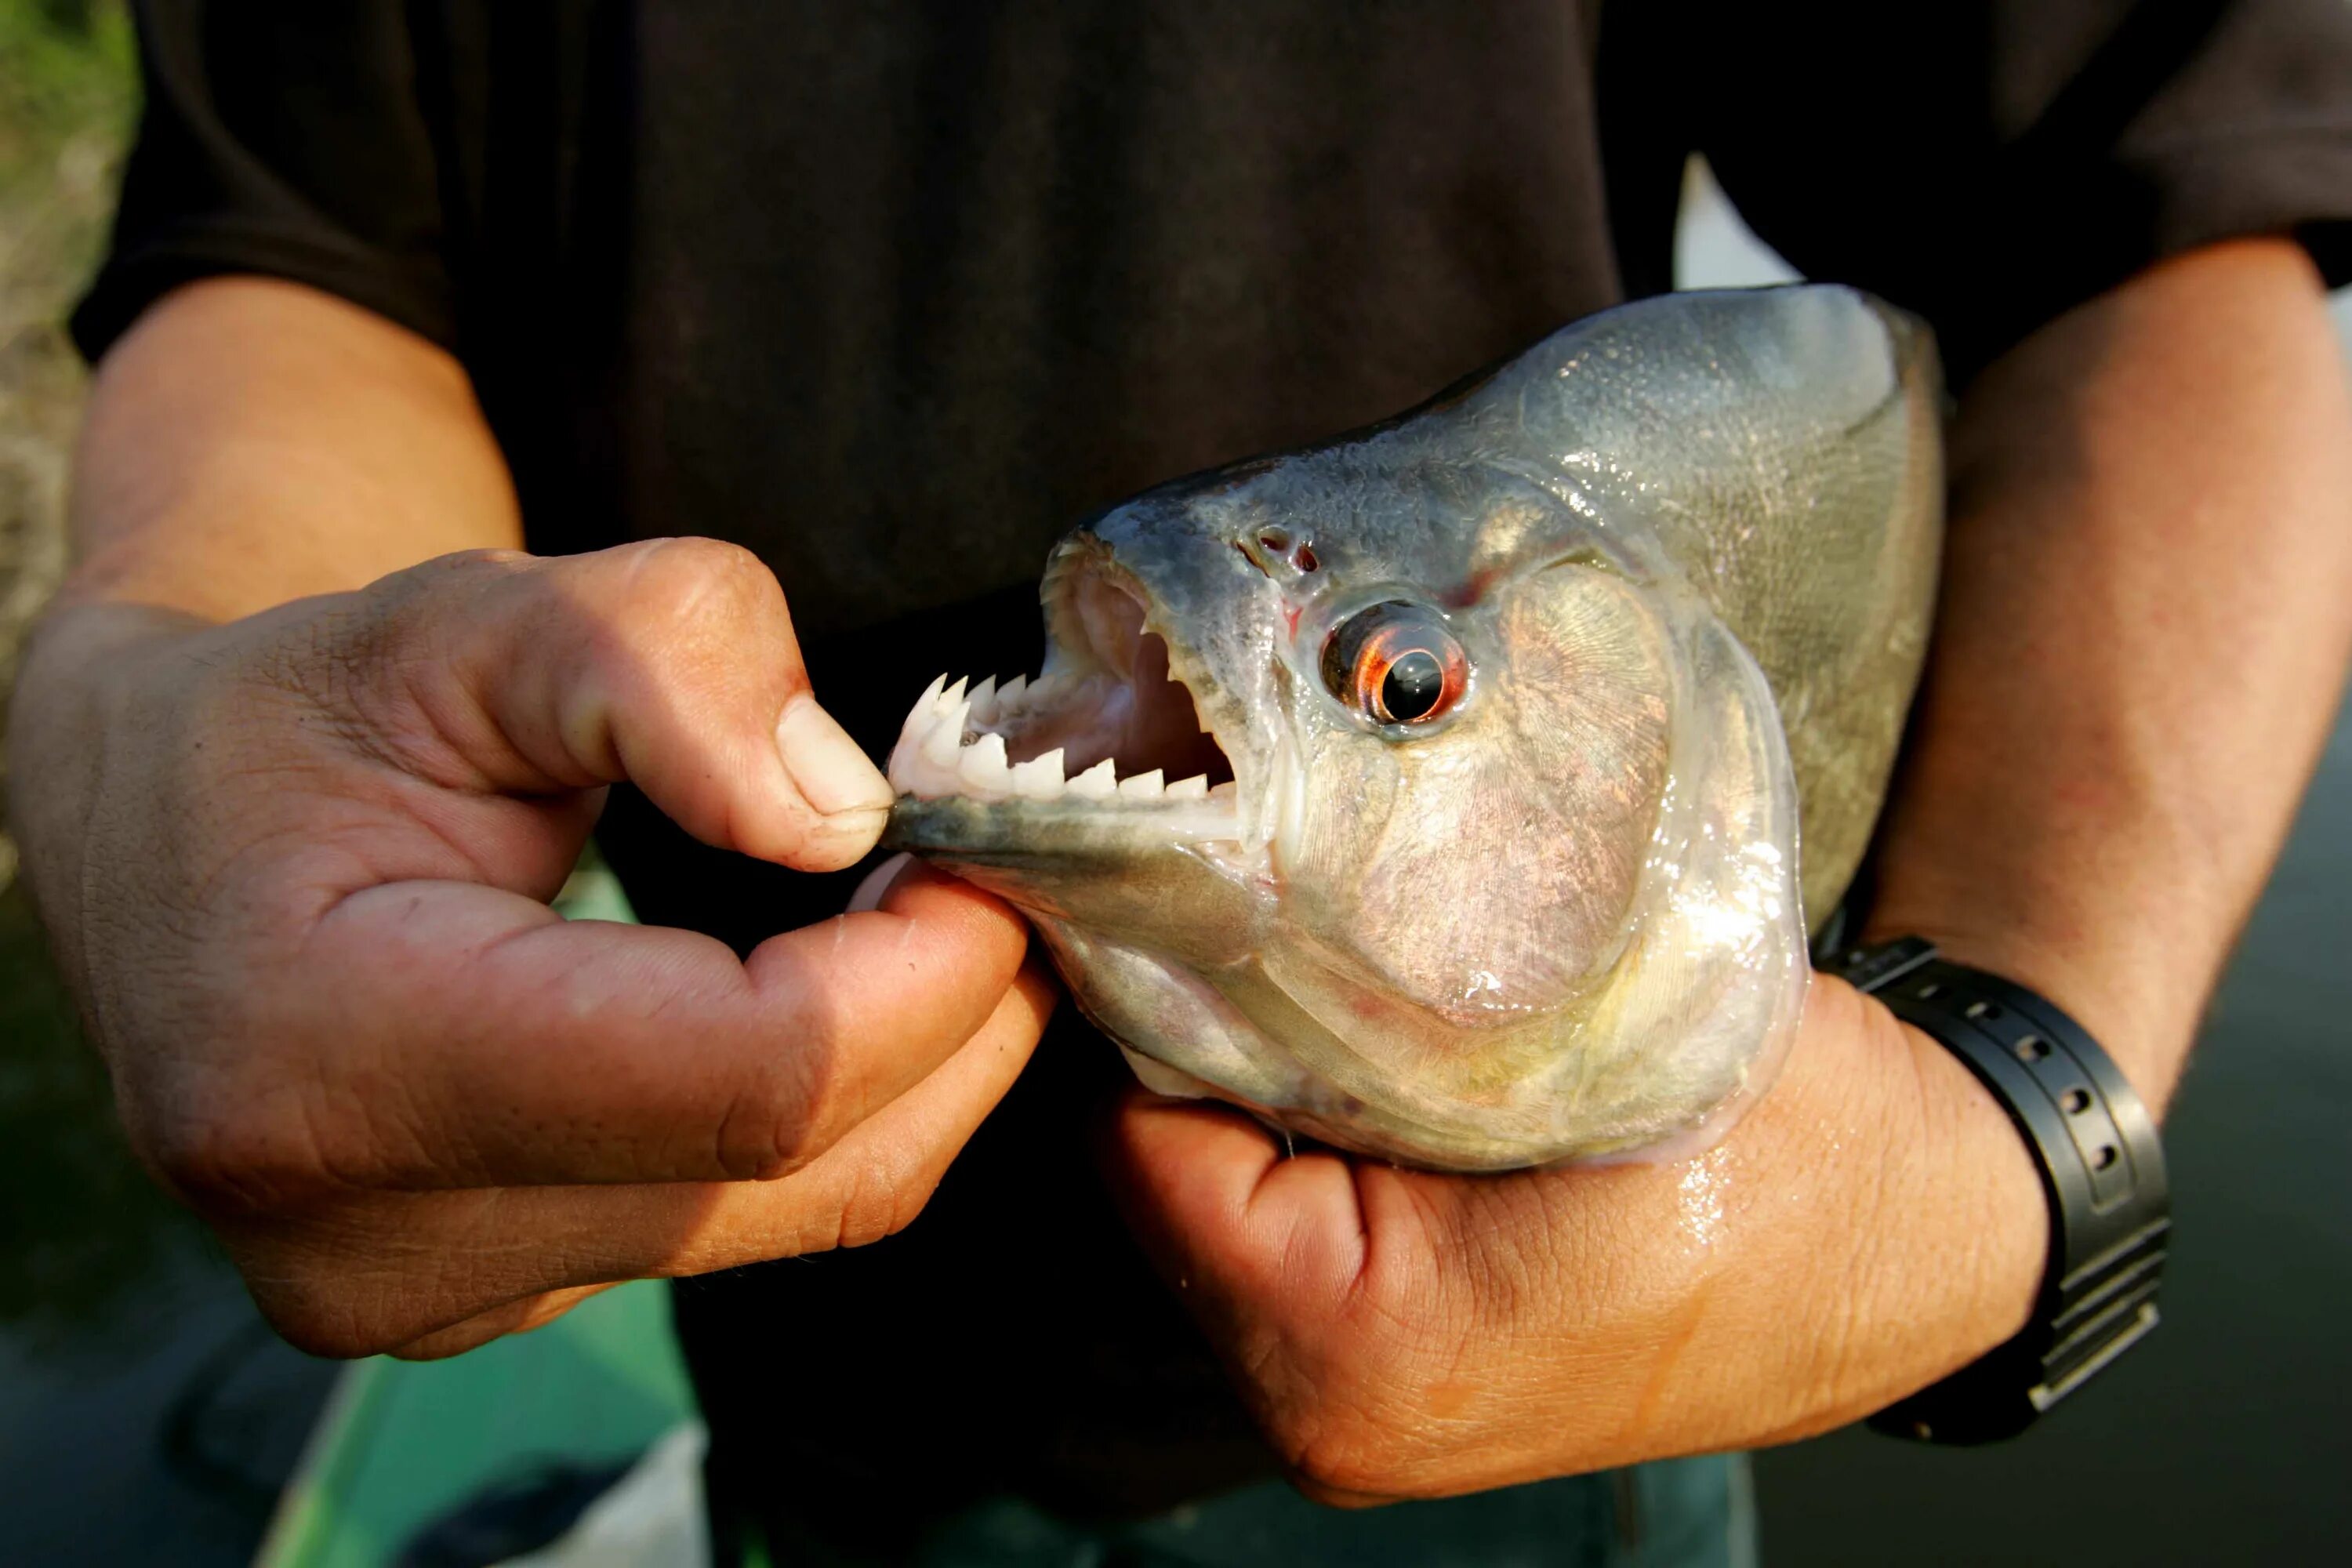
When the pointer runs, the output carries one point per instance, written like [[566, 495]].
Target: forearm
[[2145, 620], [2145, 616], [251, 442]]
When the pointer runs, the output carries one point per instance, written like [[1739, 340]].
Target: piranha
[[1437, 790]]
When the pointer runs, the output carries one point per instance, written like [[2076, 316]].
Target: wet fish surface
[[1437, 790]]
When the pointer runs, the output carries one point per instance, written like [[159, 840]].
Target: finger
[[435, 1272], [671, 664], [1306, 1274], [1217, 1204], [473, 1038], [511, 1318], [1227, 1212]]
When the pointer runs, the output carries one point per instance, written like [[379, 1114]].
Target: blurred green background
[[146, 1416], [65, 1192], [67, 105]]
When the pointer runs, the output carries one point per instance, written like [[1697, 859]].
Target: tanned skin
[[300, 754], [291, 861]]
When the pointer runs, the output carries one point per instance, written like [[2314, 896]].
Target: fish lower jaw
[[953, 745]]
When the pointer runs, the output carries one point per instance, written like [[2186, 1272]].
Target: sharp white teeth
[[984, 771], [1098, 783], [946, 739], [933, 758], [1039, 778], [918, 724]]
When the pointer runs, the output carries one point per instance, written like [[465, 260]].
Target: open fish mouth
[[1112, 729]]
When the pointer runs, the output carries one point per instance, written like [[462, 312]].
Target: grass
[[79, 1224], [68, 99]]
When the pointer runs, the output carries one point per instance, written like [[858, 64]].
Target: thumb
[[670, 664]]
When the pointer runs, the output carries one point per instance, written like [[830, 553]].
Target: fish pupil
[[1412, 686]]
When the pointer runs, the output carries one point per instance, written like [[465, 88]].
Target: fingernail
[[871, 892], [832, 772]]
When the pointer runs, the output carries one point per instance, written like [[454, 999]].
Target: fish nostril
[[1274, 545]]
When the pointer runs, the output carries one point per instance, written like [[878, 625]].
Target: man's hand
[[2146, 607], [1872, 1223], [297, 865]]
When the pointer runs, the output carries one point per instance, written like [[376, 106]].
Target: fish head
[[1405, 789]]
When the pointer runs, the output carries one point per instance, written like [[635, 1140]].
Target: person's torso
[[894, 294]]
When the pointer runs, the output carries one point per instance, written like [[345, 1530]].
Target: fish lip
[[1099, 619]]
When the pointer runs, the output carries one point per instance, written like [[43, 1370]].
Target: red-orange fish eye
[[1396, 663]]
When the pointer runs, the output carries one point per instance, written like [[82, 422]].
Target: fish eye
[[1412, 686], [1395, 663]]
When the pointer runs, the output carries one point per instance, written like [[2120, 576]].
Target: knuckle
[[463, 579], [878, 1205], [1353, 1425], [1342, 1455], [309, 655], [320, 1316], [399, 597], [398, 608], [343, 1279], [765, 1135], [340, 671], [797, 1111], [315, 1324], [228, 1154], [403, 616], [701, 586]]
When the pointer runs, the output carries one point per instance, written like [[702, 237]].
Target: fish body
[[1438, 791]]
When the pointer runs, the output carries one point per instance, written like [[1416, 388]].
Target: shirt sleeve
[[1992, 163], [282, 139]]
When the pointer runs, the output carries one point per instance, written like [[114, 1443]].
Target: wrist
[[2140, 999], [1953, 1249], [72, 671], [74, 651], [1921, 1237], [2101, 1168]]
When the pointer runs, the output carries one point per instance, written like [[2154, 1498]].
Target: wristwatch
[[2101, 1168]]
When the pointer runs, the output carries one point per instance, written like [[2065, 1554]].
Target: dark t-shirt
[[893, 293]]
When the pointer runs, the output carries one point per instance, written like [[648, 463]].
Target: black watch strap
[[2101, 1168]]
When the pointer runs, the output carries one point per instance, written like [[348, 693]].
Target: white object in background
[[1715, 248], [652, 1518]]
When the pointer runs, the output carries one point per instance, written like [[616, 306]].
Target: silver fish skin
[[1437, 790]]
